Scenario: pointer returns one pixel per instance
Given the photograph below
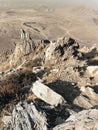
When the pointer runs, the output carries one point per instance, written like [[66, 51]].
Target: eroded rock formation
[[53, 81]]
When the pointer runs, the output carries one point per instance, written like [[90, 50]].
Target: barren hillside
[[48, 65]]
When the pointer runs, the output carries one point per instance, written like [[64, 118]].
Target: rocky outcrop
[[52, 82], [23, 48], [84, 120], [27, 117], [61, 50], [40, 116], [28, 43], [36, 115]]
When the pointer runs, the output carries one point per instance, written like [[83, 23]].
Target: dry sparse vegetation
[[12, 86]]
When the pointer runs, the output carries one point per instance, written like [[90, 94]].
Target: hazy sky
[[92, 3]]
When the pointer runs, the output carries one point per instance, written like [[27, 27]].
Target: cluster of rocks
[[59, 83], [50, 112]]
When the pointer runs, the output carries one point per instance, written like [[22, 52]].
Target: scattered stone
[[83, 101], [91, 94], [93, 70], [37, 69]]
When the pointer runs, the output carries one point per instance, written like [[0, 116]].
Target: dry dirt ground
[[47, 22]]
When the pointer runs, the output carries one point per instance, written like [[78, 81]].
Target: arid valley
[[46, 21]]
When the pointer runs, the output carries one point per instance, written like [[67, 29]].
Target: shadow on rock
[[55, 115], [95, 89], [66, 89], [92, 57]]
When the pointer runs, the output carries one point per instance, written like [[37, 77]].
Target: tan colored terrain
[[48, 22], [48, 65]]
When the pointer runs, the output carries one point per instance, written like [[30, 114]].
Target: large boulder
[[46, 94]]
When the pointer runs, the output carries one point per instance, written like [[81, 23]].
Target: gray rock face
[[27, 47], [36, 115], [27, 43], [27, 117], [40, 116], [23, 48], [84, 120]]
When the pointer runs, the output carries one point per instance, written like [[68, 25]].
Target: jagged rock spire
[[24, 35]]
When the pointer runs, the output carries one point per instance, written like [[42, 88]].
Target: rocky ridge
[[49, 85]]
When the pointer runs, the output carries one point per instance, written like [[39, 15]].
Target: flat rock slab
[[46, 94]]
